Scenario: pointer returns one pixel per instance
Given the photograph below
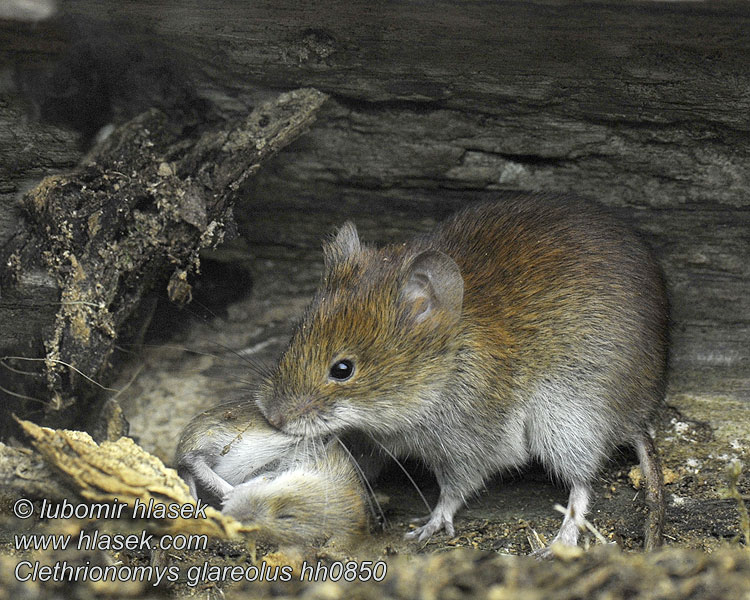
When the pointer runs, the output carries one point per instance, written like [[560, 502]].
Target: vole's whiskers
[[299, 450], [18, 371], [259, 368], [319, 454], [21, 396], [372, 499], [63, 363], [401, 466]]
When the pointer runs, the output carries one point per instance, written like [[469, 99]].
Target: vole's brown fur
[[530, 328]]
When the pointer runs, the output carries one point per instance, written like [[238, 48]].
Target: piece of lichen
[[123, 471]]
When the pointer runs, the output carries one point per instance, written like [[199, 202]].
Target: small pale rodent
[[532, 328], [297, 493], [314, 498], [226, 445]]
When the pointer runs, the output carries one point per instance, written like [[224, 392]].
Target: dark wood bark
[[138, 211]]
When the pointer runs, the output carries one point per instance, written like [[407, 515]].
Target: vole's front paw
[[233, 498], [436, 523], [225, 497]]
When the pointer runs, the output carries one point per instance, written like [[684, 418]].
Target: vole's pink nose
[[275, 417]]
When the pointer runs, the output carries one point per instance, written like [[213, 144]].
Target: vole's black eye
[[341, 370]]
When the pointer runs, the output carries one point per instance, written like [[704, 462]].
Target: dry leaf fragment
[[123, 471]]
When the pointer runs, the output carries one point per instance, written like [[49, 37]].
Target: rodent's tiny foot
[[234, 499], [227, 495], [435, 524]]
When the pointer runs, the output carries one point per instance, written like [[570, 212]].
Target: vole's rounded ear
[[343, 245], [433, 283]]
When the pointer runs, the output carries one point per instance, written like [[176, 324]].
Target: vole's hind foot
[[557, 550], [542, 550], [567, 538], [433, 525], [441, 517], [424, 533]]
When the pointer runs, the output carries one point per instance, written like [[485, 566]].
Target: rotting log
[[137, 212]]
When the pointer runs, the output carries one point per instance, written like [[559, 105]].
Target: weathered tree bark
[[155, 193]]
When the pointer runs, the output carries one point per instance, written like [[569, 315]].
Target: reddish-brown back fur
[[547, 283], [530, 328]]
